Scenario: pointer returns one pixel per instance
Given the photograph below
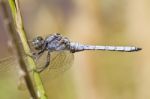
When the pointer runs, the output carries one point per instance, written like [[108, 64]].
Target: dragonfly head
[[38, 43]]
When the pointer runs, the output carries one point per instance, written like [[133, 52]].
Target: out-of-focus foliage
[[94, 74]]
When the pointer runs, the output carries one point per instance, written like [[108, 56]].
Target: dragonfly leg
[[41, 50], [40, 69], [36, 55]]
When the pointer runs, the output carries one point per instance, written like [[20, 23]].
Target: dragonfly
[[58, 52]]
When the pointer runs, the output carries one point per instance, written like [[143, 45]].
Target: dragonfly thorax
[[57, 42]]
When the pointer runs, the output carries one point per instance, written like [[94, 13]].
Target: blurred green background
[[94, 74]]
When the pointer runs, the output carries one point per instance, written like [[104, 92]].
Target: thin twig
[[9, 25], [40, 92]]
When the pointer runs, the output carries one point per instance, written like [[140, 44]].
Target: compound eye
[[57, 33], [39, 38], [38, 42]]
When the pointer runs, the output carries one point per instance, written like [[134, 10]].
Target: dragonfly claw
[[34, 55], [35, 70], [38, 70]]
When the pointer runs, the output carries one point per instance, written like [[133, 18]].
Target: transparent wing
[[8, 64], [59, 63]]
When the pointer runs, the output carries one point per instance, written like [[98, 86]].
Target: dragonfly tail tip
[[138, 49]]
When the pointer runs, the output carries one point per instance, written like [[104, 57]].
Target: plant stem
[[10, 27], [15, 10]]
